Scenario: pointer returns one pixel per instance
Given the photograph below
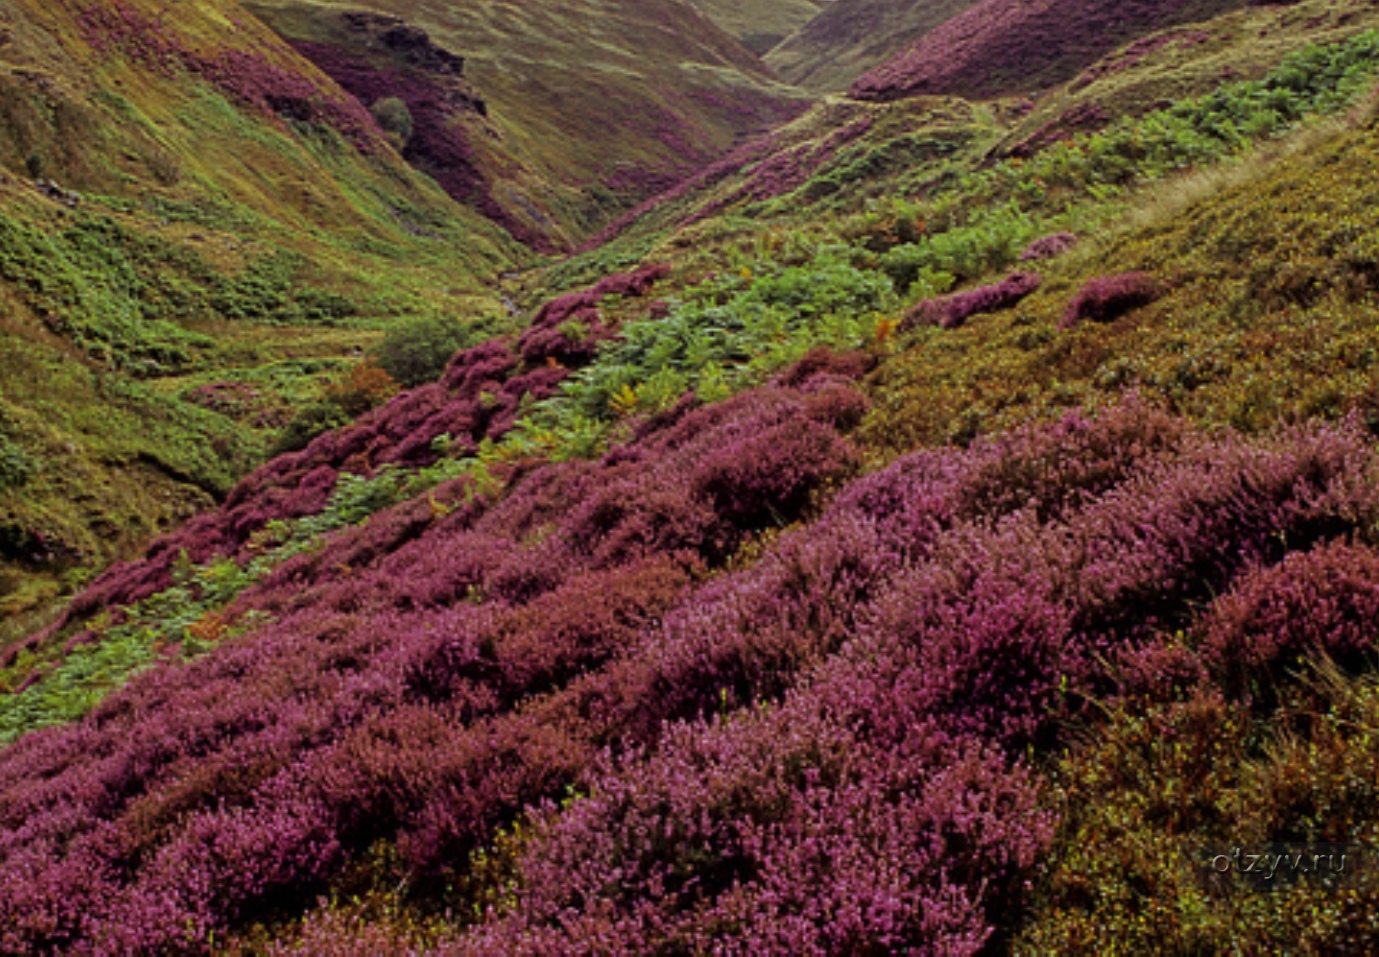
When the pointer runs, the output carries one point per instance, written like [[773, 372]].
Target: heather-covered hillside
[[887, 173], [938, 526], [1009, 46], [850, 37]]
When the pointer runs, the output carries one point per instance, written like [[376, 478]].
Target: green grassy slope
[[1183, 61], [849, 37], [197, 231], [1267, 313], [591, 107]]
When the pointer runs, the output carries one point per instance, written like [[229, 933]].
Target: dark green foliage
[[415, 350], [394, 119], [311, 421], [906, 263], [16, 467], [270, 290], [725, 335]]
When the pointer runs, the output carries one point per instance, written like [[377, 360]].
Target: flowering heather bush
[[1323, 600], [764, 834], [314, 739], [568, 329], [702, 840], [1107, 298], [821, 751], [1047, 247], [1185, 529], [950, 312]]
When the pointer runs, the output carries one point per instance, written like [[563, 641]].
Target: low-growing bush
[[16, 465], [1107, 298], [949, 312], [417, 350], [395, 120], [1047, 247], [362, 388]]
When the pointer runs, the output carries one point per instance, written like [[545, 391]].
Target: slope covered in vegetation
[[850, 37], [581, 122], [1007, 46], [175, 184], [760, 25], [913, 535]]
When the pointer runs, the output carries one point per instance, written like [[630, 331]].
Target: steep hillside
[[760, 25], [938, 527], [850, 37], [176, 183], [579, 122], [1183, 61], [1011, 46], [847, 157]]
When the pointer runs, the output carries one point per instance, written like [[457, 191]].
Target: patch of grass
[[1142, 798], [1267, 314]]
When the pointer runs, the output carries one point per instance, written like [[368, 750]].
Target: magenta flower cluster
[[551, 335], [1047, 247], [818, 751], [1107, 298], [950, 312], [425, 678]]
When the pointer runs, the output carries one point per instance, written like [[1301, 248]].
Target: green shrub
[[394, 119], [16, 467], [415, 350], [311, 421], [911, 264]]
